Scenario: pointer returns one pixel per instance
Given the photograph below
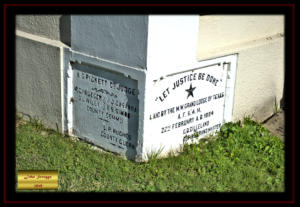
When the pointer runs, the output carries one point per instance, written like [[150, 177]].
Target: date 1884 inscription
[[188, 102], [105, 108]]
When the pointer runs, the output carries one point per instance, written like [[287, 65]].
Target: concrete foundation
[[147, 49], [42, 25], [38, 82]]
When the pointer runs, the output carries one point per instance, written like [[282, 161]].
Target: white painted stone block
[[198, 99], [134, 111]]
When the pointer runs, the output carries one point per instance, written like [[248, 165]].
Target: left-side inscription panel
[[105, 108]]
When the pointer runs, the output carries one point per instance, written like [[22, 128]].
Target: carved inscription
[[189, 102], [105, 108]]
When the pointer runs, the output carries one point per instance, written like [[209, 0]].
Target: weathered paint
[[105, 108], [92, 103]]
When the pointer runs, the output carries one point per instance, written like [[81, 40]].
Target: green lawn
[[242, 157]]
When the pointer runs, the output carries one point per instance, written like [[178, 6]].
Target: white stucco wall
[[260, 79], [218, 33], [259, 42]]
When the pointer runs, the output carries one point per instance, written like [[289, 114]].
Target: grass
[[276, 107], [242, 157]]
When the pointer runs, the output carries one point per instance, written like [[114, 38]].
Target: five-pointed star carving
[[190, 91]]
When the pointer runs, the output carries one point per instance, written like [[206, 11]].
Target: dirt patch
[[276, 124]]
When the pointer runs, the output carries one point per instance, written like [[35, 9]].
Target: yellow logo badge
[[32, 180]]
